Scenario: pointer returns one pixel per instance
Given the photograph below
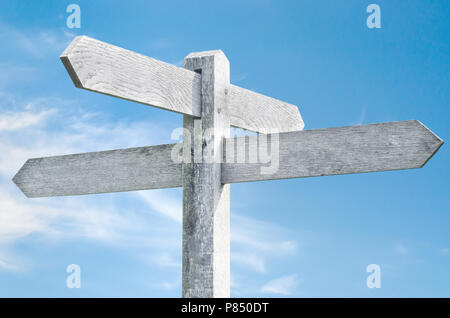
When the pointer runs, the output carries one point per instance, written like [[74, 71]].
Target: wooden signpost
[[209, 160]]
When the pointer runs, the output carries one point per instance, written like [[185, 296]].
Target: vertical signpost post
[[210, 159], [206, 200]]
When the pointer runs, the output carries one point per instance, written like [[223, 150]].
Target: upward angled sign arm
[[260, 113], [111, 70]]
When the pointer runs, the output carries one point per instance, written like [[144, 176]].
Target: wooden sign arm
[[104, 68], [100, 172], [319, 152], [332, 151]]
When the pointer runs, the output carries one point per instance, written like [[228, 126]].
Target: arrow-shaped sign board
[[111, 70], [334, 151], [309, 153], [100, 172]]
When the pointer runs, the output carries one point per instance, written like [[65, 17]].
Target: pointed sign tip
[[438, 145], [65, 59], [439, 141], [17, 179], [428, 129], [435, 144], [69, 68]]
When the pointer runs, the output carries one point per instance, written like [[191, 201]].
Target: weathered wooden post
[[206, 201]]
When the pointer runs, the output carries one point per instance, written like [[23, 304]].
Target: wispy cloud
[[284, 285], [401, 249], [162, 203], [165, 285], [27, 128], [362, 117], [161, 44], [239, 77], [255, 241], [165, 260], [252, 261], [260, 236], [18, 120], [66, 218], [9, 262], [445, 251], [255, 244], [5, 265], [15, 73], [36, 43], [168, 285]]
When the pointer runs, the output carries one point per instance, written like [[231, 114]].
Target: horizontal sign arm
[[114, 71], [100, 172], [331, 151], [309, 153]]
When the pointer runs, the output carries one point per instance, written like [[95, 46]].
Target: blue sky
[[295, 238]]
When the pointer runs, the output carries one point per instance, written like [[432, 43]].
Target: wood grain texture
[[333, 151], [206, 201], [309, 153], [111, 70], [256, 112], [100, 172]]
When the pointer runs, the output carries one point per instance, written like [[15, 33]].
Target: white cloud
[[5, 265], [255, 243], [401, 249], [161, 202], [9, 262], [165, 260], [18, 120], [168, 285], [161, 44], [284, 285], [36, 43], [56, 220], [239, 77], [27, 130], [249, 260], [14, 73], [260, 236], [12, 36], [17, 219], [362, 116], [62, 218], [445, 251]]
